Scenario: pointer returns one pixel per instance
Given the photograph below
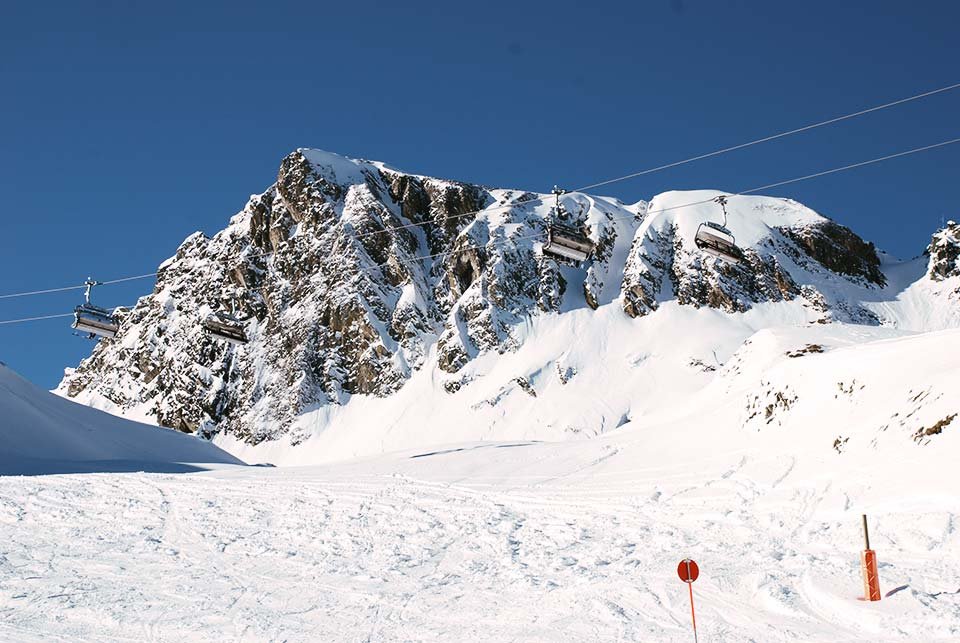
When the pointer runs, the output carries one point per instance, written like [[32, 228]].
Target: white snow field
[[44, 433], [759, 475]]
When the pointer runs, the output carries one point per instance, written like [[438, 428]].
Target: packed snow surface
[[761, 477], [44, 433]]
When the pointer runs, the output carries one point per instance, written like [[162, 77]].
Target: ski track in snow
[[559, 542]]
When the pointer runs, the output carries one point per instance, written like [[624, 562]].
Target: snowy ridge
[[43, 433], [380, 303]]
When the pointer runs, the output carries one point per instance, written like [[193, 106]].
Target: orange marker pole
[[868, 561], [693, 615]]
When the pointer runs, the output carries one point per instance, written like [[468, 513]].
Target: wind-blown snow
[[43, 433]]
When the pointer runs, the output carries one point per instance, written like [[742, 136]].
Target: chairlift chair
[[96, 321], [716, 239], [225, 327], [567, 241]]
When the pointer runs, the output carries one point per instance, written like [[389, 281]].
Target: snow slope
[[521, 540], [43, 433], [575, 375], [759, 470]]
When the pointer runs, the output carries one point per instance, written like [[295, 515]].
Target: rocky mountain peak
[[350, 276]]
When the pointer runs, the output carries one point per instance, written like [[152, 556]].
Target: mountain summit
[[375, 297]]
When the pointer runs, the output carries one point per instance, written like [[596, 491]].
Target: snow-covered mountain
[[388, 310], [43, 433]]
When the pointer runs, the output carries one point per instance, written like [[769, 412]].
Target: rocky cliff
[[350, 276]]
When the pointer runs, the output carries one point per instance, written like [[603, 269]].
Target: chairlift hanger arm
[[90, 283], [722, 200]]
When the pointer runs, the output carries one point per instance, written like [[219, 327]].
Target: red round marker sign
[[688, 570]]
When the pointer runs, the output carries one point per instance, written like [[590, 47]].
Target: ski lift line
[[508, 241], [48, 291], [31, 319], [42, 292], [54, 316], [648, 213], [851, 166], [125, 279], [625, 177], [682, 162], [536, 235], [542, 198], [692, 159], [772, 137]]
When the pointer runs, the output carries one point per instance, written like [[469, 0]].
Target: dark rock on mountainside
[[838, 249], [661, 267], [944, 253]]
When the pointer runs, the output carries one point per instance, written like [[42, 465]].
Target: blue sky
[[126, 126]]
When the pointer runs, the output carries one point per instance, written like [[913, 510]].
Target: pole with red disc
[[688, 572]]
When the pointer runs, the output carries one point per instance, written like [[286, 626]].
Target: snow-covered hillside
[[530, 541], [641, 375], [43, 433], [388, 310]]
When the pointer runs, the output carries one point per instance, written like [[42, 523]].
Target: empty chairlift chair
[[226, 328], [567, 241], [716, 240], [96, 321]]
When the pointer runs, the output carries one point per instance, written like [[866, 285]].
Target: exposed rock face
[[838, 249], [944, 253], [345, 274], [350, 275], [664, 265]]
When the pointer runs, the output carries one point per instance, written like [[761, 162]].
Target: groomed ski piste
[[760, 475]]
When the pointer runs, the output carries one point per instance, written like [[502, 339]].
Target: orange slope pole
[[693, 615], [868, 562]]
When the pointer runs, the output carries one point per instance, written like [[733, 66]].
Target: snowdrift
[[42, 433]]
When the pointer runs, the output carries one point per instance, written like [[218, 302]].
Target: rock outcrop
[[944, 253]]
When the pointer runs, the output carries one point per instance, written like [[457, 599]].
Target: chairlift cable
[[806, 177], [39, 318], [718, 152], [681, 162], [41, 292], [851, 166], [772, 137]]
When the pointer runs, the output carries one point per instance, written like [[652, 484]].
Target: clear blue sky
[[126, 126]]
